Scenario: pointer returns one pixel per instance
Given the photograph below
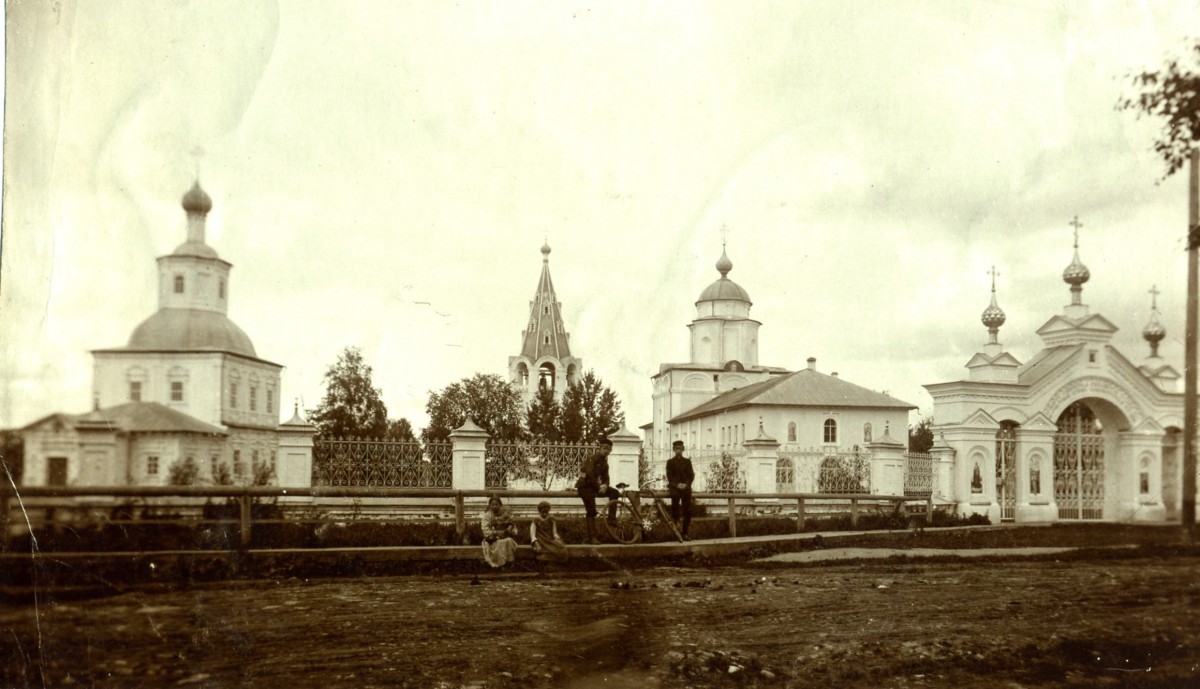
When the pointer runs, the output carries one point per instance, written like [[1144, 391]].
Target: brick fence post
[[294, 466], [623, 461], [887, 465]]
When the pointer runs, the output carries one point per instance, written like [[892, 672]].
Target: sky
[[383, 175]]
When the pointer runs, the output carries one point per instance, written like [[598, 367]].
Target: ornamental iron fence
[[823, 471], [534, 466], [377, 463], [919, 479]]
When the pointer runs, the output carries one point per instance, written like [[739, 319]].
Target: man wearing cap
[[679, 481], [593, 481]]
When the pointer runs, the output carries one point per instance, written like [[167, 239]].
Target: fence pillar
[[762, 457], [294, 465], [623, 461], [943, 469], [887, 465], [468, 445]]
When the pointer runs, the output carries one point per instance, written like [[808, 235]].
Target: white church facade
[[1078, 432], [722, 397], [187, 385]]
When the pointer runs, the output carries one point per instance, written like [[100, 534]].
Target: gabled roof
[[1044, 362], [804, 388], [136, 417], [1094, 322]]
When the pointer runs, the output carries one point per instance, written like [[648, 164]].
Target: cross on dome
[[1076, 273]]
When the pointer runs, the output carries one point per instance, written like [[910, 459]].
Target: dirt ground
[[1128, 621]]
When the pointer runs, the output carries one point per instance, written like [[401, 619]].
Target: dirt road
[[1118, 622]]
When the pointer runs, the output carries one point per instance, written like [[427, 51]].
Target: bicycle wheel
[[625, 527]]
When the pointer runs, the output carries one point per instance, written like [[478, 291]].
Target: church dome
[[1154, 331], [1076, 274], [724, 288], [993, 316], [190, 330], [196, 201]]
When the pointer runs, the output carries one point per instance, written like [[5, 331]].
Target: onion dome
[[546, 250], [1154, 332], [993, 316], [196, 201], [724, 288]]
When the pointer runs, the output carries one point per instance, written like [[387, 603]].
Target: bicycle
[[630, 523]]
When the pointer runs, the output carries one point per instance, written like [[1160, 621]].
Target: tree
[[12, 456], [487, 399], [920, 437], [544, 416], [183, 473], [590, 410], [1173, 94], [400, 430], [352, 405]]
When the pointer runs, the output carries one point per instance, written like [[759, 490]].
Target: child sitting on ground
[[543, 534]]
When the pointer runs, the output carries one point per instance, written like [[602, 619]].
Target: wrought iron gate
[[1079, 464], [1006, 475]]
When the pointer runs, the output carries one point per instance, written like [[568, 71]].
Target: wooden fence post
[[853, 511], [732, 517], [799, 515], [460, 519], [244, 502], [929, 510], [4, 525]]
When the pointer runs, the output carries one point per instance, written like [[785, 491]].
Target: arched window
[[866, 432], [178, 284], [221, 288], [830, 431], [791, 431]]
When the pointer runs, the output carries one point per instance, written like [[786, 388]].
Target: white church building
[[187, 385], [722, 395], [1080, 431]]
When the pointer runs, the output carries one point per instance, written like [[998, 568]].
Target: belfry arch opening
[[546, 376]]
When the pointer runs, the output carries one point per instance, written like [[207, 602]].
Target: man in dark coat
[[593, 482], [679, 481]]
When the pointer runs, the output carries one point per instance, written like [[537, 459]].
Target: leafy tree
[[491, 402], [544, 416], [400, 430], [183, 473], [12, 456], [352, 405], [920, 437], [590, 410], [1172, 93]]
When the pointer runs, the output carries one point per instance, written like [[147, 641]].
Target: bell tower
[[545, 359]]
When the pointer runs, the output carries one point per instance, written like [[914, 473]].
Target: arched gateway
[[1079, 431]]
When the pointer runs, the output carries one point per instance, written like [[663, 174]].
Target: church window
[[830, 431], [791, 431], [546, 338], [253, 398], [233, 395], [866, 432], [221, 288], [273, 461], [152, 465], [177, 391], [135, 391], [270, 400], [214, 465], [178, 284], [254, 459], [1092, 356], [238, 468]]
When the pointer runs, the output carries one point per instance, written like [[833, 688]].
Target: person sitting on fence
[[593, 481], [543, 534], [679, 481], [499, 547]]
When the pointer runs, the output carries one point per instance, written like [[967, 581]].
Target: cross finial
[[197, 153], [1154, 297], [724, 234], [994, 273], [1076, 224]]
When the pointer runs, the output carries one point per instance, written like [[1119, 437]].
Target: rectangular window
[[270, 400], [152, 465], [221, 288], [178, 284], [56, 471], [135, 391], [238, 469], [214, 465], [177, 391], [233, 395], [253, 398]]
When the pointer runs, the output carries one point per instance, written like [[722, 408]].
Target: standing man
[[593, 481], [679, 481]]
